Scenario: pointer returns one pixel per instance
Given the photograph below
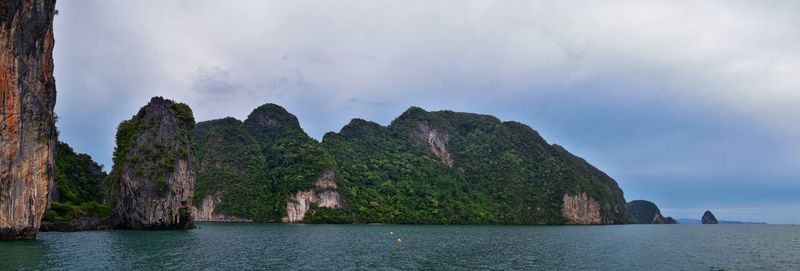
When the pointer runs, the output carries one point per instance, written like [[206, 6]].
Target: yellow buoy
[[398, 241]]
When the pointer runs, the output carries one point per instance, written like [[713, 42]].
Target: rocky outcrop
[[436, 140], [155, 168], [581, 209], [324, 195], [85, 224], [659, 219], [669, 220], [708, 218], [646, 212], [27, 121], [208, 211]]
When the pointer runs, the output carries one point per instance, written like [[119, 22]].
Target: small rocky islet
[[708, 218]]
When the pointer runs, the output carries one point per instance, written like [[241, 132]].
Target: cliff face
[[27, 121], [323, 195], [434, 139], [210, 212], [154, 167], [709, 218], [581, 209]]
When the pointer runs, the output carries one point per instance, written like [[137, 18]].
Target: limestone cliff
[[27, 121], [582, 210], [155, 168], [436, 140], [210, 212], [324, 195]]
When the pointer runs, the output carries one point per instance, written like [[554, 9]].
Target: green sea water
[[423, 247]]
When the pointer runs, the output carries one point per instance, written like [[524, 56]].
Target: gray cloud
[[215, 82], [659, 95]]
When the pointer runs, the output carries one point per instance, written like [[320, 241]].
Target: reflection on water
[[368, 247]]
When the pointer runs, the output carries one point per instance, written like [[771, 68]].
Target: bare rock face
[[155, 168], [436, 140], [708, 218], [208, 211], [324, 195], [581, 209], [27, 121]]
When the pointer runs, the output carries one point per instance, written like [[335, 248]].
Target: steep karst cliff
[[449, 167], [646, 212], [708, 218], [153, 178], [27, 121], [263, 169], [323, 195]]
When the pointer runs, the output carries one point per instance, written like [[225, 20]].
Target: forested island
[[425, 167]]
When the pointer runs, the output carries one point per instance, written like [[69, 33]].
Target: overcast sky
[[694, 105]]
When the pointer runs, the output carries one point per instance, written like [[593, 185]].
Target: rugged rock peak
[[272, 115], [27, 121], [708, 218], [154, 167], [323, 196], [436, 140]]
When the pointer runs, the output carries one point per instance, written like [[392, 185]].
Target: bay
[[223, 246]]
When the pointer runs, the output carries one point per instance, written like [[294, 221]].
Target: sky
[[693, 105]]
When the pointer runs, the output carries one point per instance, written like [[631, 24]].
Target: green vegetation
[[319, 215], [78, 188], [149, 151], [503, 172], [71, 213], [478, 171], [257, 164], [641, 212]]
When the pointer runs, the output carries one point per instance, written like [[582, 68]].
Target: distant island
[[697, 221]]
